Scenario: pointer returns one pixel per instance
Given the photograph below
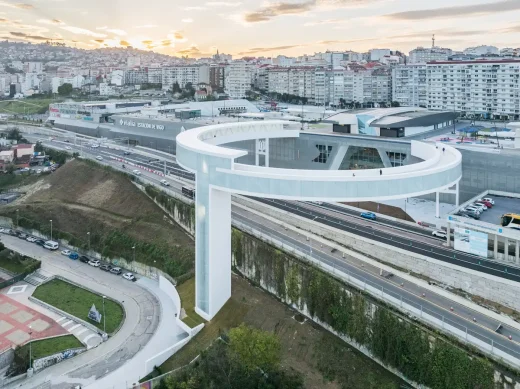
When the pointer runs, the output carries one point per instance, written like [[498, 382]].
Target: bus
[[511, 220], [188, 192]]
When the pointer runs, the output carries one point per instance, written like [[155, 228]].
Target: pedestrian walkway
[[36, 278], [86, 336]]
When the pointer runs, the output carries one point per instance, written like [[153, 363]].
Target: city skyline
[[248, 28]]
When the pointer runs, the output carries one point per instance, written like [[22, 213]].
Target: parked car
[[489, 199], [481, 206], [99, 158], [106, 267], [74, 255], [2, 230], [66, 252], [486, 203], [94, 145], [31, 239], [68, 148], [136, 172], [51, 245], [39, 242], [126, 153], [22, 235], [84, 259], [6, 231], [440, 234], [369, 215], [165, 183], [472, 214], [94, 262], [473, 209], [116, 270], [129, 277]]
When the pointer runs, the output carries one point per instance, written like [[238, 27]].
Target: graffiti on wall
[[42, 363]]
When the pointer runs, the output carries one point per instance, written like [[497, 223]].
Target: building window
[[324, 153]]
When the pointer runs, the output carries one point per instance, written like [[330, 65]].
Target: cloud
[[2, 20], [52, 22], [16, 5], [112, 30], [223, 4], [325, 21], [82, 31], [257, 50], [177, 36], [124, 43], [196, 8], [147, 26], [187, 20], [458, 11], [32, 37], [273, 10]]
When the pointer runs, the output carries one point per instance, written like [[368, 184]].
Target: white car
[[474, 209], [68, 148], [489, 200], [2, 230], [165, 183], [129, 277], [94, 262], [94, 146], [481, 206], [99, 158], [440, 234], [66, 252], [31, 239], [38, 171], [137, 172]]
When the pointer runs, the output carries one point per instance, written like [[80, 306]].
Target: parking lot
[[502, 205]]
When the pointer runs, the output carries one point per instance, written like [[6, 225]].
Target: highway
[[460, 316]]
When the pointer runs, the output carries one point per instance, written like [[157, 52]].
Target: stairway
[[36, 278]]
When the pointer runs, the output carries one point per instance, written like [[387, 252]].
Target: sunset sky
[[251, 27]]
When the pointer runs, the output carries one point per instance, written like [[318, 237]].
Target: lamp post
[[133, 249], [30, 347], [104, 316], [51, 228], [88, 235]]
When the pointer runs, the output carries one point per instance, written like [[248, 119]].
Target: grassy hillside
[[83, 197], [26, 106]]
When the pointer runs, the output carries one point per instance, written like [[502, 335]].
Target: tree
[[14, 133], [395, 104], [65, 89], [10, 168], [255, 348]]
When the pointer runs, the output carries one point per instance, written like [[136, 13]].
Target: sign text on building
[[131, 123]]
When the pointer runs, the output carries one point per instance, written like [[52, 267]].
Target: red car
[[486, 203]]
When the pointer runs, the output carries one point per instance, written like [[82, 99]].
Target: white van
[[137, 172], [51, 245]]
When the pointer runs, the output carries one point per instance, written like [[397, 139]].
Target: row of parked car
[[97, 263], [475, 210], [48, 244]]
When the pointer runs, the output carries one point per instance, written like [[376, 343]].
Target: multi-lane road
[[476, 323]]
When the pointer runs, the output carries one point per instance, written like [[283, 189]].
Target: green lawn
[[77, 302], [25, 106], [15, 263], [46, 347], [187, 294]]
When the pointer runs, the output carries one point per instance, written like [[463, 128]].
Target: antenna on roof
[[433, 41]]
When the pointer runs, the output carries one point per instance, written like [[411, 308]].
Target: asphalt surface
[[477, 324]]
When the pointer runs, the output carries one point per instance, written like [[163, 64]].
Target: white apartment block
[[410, 85], [377, 54], [423, 55], [154, 75], [106, 89], [33, 67], [238, 79], [184, 74], [482, 50], [487, 88], [132, 62], [76, 82]]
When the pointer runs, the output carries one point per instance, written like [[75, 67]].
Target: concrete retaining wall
[[42, 363], [490, 287]]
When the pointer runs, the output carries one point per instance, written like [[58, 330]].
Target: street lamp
[[104, 316], [88, 234], [133, 248], [51, 228], [30, 347]]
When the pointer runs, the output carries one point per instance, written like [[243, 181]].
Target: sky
[[197, 28]]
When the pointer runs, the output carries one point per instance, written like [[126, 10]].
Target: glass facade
[[361, 158], [396, 159]]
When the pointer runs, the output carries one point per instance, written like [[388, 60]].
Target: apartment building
[[217, 76], [184, 74], [410, 86], [154, 75], [479, 88], [429, 54], [136, 76], [238, 79]]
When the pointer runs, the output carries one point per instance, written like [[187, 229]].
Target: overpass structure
[[217, 176]]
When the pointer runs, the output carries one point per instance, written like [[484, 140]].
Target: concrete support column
[[457, 193], [517, 253], [495, 248], [213, 250], [267, 152], [437, 205], [506, 249], [257, 152], [448, 234]]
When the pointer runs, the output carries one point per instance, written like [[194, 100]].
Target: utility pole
[[104, 316]]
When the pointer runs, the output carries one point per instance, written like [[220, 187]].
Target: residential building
[[105, 89], [136, 76], [481, 88], [423, 55], [132, 62], [117, 77], [33, 67], [184, 74], [409, 85], [217, 78], [482, 50], [154, 76], [238, 79], [377, 54], [76, 82]]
